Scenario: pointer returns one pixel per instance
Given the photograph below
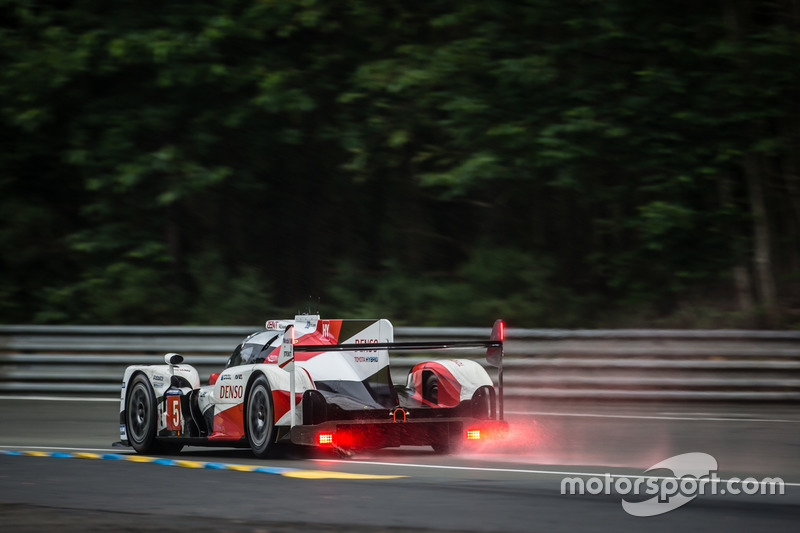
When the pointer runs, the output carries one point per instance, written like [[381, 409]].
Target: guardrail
[[539, 364]]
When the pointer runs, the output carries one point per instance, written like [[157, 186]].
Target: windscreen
[[251, 353]]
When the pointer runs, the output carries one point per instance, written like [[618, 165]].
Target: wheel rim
[[260, 417], [139, 413]]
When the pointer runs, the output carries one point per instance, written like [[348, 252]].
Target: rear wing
[[494, 352]]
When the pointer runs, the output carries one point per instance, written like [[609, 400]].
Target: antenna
[[309, 306]]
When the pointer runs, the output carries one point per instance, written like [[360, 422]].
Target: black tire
[[442, 447], [430, 389], [430, 392], [260, 417], [444, 443], [140, 415]]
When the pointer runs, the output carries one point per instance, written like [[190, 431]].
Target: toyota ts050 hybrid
[[315, 382]]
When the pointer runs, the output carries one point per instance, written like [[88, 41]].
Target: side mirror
[[173, 359], [212, 379]]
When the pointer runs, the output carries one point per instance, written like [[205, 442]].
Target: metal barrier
[[539, 364]]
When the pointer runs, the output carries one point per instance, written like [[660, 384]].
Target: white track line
[[521, 471], [653, 417]]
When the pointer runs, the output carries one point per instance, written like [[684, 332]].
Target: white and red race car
[[315, 382]]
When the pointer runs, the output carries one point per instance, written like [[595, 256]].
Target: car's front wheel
[[140, 415], [260, 421]]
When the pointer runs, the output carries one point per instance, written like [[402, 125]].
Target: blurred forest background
[[557, 163]]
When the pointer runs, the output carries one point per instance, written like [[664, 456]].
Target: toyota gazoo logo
[[694, 474]]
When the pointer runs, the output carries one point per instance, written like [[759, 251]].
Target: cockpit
[[255, 349]]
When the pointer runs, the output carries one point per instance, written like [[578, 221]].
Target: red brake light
[[494, 354], [473, 434], [325, 438]]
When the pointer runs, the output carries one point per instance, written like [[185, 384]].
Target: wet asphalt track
[[513, 486]]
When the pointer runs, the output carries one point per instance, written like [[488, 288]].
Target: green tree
[[559, 163]]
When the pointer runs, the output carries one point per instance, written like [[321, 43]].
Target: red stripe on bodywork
[[272, 358], [280, 402], [327, 332], [449, 389], [229, 424], [314, 338], [333, 328]]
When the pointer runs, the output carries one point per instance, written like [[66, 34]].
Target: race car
[[315, 382]]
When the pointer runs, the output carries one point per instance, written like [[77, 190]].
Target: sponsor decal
[[237, 376], [158, 378], [123, 432], [233, 392], [367, 341], [286, 357], [362, 359], [278, 324], [225, 377]]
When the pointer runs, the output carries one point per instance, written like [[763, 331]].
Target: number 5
[[174, 413]]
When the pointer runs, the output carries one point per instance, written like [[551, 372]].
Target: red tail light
[[473, 434], [325, 438], [494, 354]]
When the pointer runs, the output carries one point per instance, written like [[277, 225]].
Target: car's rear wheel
[[260, 421], [140, 415], [444, 443], [430, 388], [442, 447]]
